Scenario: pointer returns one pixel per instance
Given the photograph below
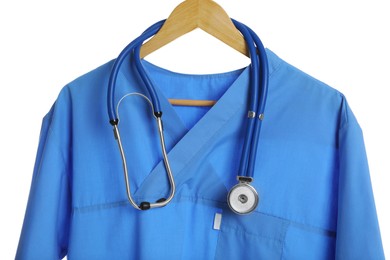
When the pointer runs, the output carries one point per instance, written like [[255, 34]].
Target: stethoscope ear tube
[[152, 30], [147, 205]]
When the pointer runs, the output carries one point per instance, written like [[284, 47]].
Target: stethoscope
[[243, 197]]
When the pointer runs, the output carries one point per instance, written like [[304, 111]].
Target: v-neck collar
[[173, 124], [184, 149], [186, 144]]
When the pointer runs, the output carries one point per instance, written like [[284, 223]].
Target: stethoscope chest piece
[[243, 198]]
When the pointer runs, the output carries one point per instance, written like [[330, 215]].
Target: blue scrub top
[[311, 172]]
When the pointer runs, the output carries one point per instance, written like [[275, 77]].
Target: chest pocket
[[253, 236]]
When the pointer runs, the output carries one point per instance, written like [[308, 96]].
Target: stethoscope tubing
[[264, 78], [253, 99], [257, 91]]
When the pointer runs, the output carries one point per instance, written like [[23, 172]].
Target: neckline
[[272, 64]]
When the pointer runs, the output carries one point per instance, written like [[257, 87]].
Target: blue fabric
[[311, 172]]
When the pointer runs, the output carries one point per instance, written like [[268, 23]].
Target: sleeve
[[45, 229], [358, 235]]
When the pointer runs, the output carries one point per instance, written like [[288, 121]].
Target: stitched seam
[[278, 66], [102, 206], [314, 230], [52, 132], [307, 227], [284, 239], [109, 205], [54, 139], [344, 114], [242, 232], [63, 161]]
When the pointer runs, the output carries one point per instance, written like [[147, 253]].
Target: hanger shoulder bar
[[215, 21], [182, 20], [192, 102]]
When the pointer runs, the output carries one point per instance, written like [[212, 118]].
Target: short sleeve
[[46, 224], [358, 235]]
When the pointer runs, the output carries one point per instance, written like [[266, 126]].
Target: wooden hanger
[[187, 16]]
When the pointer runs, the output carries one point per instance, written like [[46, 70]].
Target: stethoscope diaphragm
[[243, 198]]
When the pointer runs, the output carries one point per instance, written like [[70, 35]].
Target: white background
[[46, 44]]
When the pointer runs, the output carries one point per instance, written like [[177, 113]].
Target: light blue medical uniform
[[311, 172]]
